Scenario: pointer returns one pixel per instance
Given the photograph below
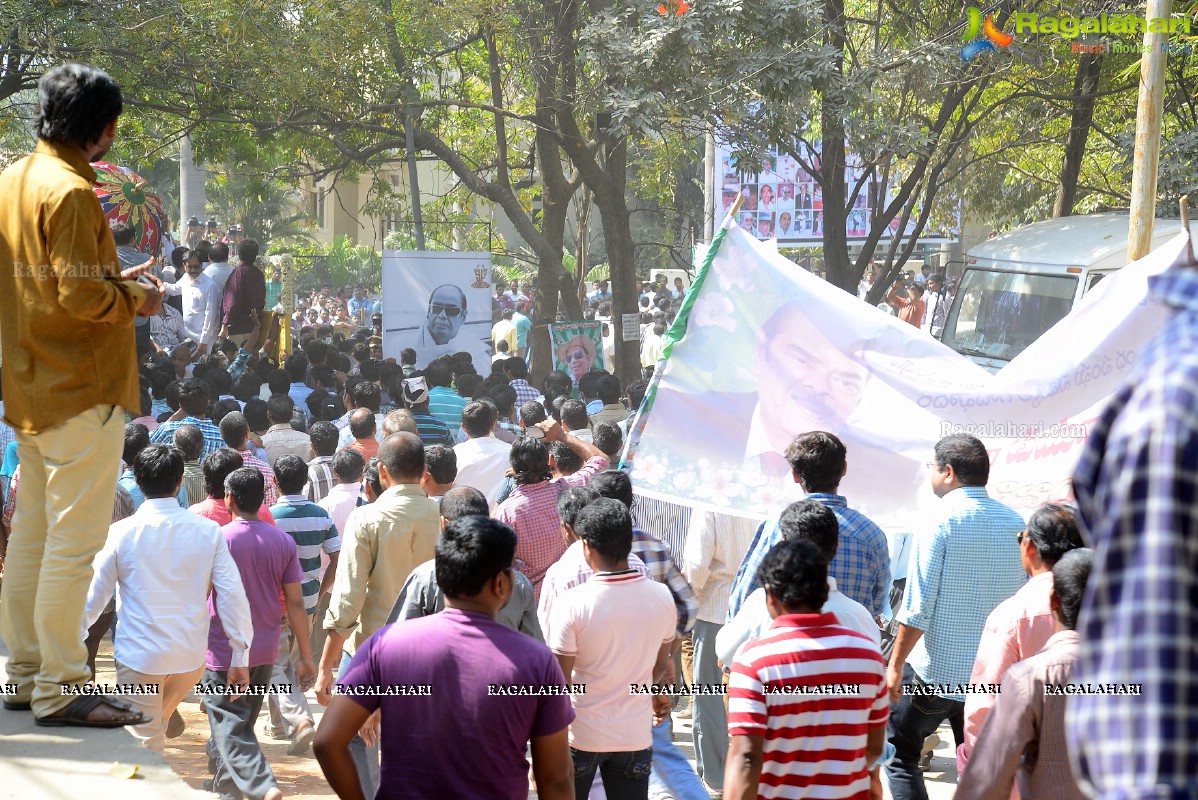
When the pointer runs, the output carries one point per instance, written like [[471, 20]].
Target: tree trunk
[[839, 268], [621, 258], [1085, 86]]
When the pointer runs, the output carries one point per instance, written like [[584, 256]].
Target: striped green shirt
[[314, 532]]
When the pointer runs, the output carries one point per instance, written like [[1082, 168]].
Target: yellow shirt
[[66, 318]]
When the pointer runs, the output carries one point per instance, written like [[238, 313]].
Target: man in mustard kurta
[[70, 370]]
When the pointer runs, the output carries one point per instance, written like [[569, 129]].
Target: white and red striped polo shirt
[[813, 689]]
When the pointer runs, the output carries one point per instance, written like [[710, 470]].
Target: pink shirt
[[1017, 629], [216, 511]]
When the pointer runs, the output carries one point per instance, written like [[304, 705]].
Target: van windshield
[[998, 314]]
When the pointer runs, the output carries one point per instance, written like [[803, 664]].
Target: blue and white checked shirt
[[165, 434], [861, 566], [959, 573], [1137, 493]]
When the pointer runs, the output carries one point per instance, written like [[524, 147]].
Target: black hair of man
[[314, 402], [471, 551], [636, 394], [608, 438], [613, 483], [1054, 532], [502, 346], [348, 466], [504, 398], [818, 459], [462, 359], [588, 385], [917, 288], [362, 424], [370, 476], [123, 233], [407, 357], [438, 374], [403, 455], [1069, 577], [190, 441], [324, 438], [441, 463], [530, 461], [463, 501], [606, 525], [221, 380], [317, 352], [324, 378], [178, 257], [368, 396], [217, 466], [966, 455], [291, 473], [247, 487], [574, 415], [218, 253], [257, 414], [815, 522], [247, 251], [75, 103], [565, 460], [297, 367], [554, 406], [478, 418], [279, 409], [279, 381], [360, 352], [609, 389], [247, 387], [193, 397], [532, 413], [158, 470], [516, 368], [573, 500], [507, 313], [796, 573], [201, 251], [235, 430], [137, 438], [556, 384], [469, 384], [161, 376], [223, 408]]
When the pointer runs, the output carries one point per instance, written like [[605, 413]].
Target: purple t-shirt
[[267, 558], [459, 740]]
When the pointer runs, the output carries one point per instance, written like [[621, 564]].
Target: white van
[[1019, 284]]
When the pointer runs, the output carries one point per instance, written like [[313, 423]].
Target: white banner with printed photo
[[772, 351], [437, 303]]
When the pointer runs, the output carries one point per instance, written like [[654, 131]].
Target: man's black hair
[[348, 466], [530, 460], [222, 382], [362, 424], [190, 441], [193, 397], [516, 367], [317, 352], [967, 456], [469, 384], [636, 393], [137, 438], [297, 367], [234, 430], [605, 524], [1054, 532], [554, 406], [796, 573], [161, 376], [403, 455], [279, 381], [471, 551], [367, 395], [122, 233], [533, 412], [609, 389], [1069, 577], [463, 501], [818, 459], [607, 437], [815, 522], [573, 500], [223, 408], [325, 378], [371, 370], [588, 384], [438, 374], [256, 415], [407, 356], [247, 487], [613, 483], [565, 460], [370, 476], [478, 418], [75, 103], [556, 384], [291, 473], [218, 253], [502, 346], [504, 398], [247, 387], [216, 466], [324, 437], [247, 251], [158, 470], [279, 408], [574, 415], [441, 463]]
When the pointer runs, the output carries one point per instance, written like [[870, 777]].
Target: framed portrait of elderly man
[[577, 347], [437, 304]]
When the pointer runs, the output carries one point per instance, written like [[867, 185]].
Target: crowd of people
[[456, 568]]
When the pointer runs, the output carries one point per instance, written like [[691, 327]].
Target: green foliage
[[340, 263]]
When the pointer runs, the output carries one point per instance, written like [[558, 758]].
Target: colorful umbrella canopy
[[126, 197]]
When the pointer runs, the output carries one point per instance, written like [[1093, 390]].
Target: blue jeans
[[912, 719], [625, 774], [710, 732], [672, 773], [366, 759]]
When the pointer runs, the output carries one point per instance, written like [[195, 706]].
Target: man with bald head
[[361, 427], [381, 544]]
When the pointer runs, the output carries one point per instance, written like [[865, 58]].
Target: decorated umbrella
[[125, 197]]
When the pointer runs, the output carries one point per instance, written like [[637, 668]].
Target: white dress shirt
[[219, 272], [160, 562], [715, 545], [339, 502], [483, 464], [201, 307], [284, 440]]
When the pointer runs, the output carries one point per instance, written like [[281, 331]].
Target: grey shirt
[[420, 597]]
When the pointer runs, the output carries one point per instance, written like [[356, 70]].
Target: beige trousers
[[68, 475], [157, 708]]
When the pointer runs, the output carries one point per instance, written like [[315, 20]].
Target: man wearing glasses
[[443, 322]]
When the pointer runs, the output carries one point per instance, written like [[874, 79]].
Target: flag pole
[[675, 334]]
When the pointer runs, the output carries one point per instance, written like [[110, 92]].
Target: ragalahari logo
[[982, 36]]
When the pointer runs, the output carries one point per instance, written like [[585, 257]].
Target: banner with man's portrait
[[437, 304], [771, 352], [577, 347]]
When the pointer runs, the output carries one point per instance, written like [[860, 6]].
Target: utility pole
[[1148, 134], [709, 189]]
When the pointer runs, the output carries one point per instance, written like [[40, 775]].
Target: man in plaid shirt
[[531, 509], [862, 563], [1136, 485], [236, 433], [193, 410]]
